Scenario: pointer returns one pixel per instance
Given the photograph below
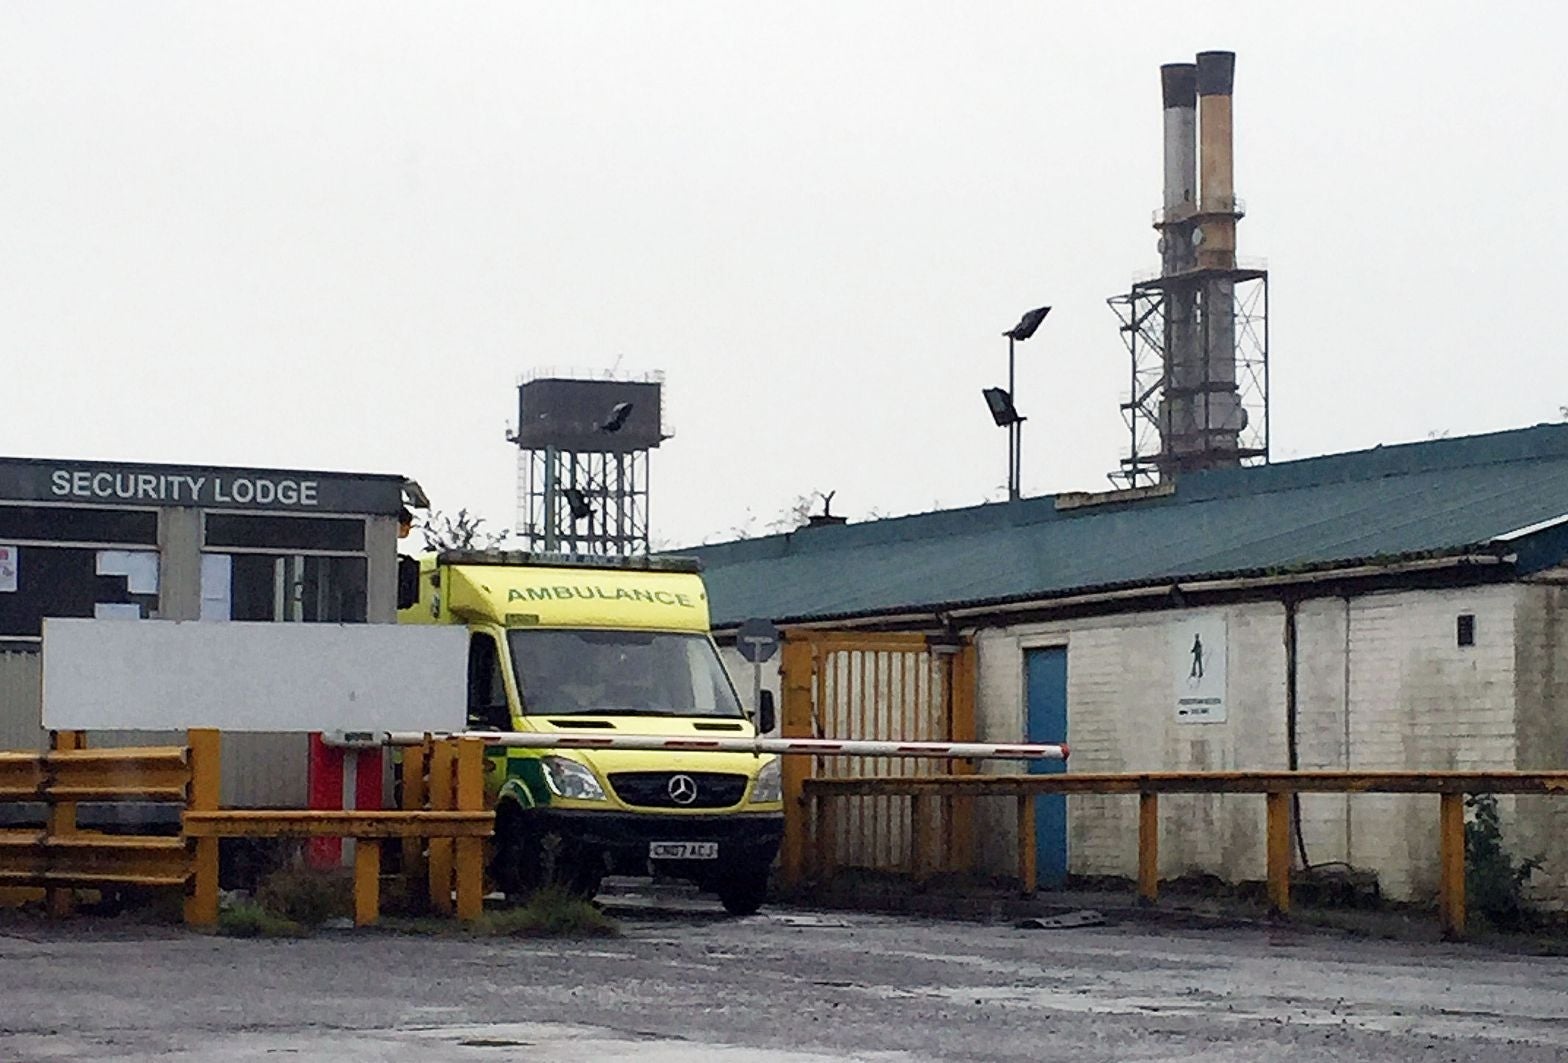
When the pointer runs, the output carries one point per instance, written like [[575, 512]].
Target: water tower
[[582, 464]]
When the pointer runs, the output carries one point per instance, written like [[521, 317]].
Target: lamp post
[[1004, 410]]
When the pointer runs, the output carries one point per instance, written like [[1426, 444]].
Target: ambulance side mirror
[[767, 715], [407, 582]]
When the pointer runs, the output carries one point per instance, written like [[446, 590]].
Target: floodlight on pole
[[1000, 404], [1014, 424]]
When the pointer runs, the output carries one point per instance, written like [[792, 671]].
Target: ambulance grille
[[651, 789]]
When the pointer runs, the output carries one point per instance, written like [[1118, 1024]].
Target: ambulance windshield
[[643, 673]]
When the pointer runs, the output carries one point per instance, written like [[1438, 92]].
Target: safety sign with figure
[[1198, 669]]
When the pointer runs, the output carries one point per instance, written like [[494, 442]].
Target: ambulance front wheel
[[525, 861], [743, 892]]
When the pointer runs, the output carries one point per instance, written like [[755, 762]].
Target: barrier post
[[1028, 879], [415, 758], [470, 851], [1278, 830], [367, 881], [923, 845], [1451, 863], [796, 664], [1148, 848], [442, 763], [824, 839], [60, 900], [201, 899], [960, 811]]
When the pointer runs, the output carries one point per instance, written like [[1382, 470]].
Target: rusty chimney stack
[[1217, 198]]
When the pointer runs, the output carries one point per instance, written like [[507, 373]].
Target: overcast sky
[[334, 235]]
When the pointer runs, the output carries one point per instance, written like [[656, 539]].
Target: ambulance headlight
[[567, 778], [767, 788]]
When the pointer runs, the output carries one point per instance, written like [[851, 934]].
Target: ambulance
[[603, 647]]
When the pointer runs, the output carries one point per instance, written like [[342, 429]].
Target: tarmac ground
[[686, 983]]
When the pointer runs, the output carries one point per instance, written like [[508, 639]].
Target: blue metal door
[[1045, 680]]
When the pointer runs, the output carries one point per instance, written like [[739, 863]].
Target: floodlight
[[617, 419], [577, 503], [1027, 324], [1001, 406]]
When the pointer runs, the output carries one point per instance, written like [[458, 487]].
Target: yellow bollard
[[1451, 865], [367, 881], [1028, 878], [61, 900], [1148, 848], [470, 851], [415, 759], [201, 901], [1278, 852], [442, 765]]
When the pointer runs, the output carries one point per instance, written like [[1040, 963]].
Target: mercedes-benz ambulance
[[605, 647]]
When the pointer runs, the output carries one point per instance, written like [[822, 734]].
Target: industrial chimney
[[1194, 401]]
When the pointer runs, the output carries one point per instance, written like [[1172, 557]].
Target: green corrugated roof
[[1439, 497]]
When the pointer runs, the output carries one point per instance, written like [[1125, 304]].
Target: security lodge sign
[[115, 484]]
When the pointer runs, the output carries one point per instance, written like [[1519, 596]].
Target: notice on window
[[1198, 668], [139, 567], [8, 566]]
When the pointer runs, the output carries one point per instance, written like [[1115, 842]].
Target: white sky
[[333, 235]]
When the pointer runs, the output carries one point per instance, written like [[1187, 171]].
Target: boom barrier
[[816, 747]]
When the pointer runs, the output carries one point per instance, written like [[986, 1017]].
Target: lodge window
[[1464, 629], [78, 524], [297, 587], [68, 581], [338, 534]]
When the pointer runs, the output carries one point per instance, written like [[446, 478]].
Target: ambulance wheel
[[517, 864], [743, 892], [524, 864]]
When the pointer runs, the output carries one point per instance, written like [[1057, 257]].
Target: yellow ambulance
[[603, 647]]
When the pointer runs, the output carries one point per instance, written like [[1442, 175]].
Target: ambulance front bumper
[[742, 837]]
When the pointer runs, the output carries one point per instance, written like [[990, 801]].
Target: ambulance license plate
[[683, 850]]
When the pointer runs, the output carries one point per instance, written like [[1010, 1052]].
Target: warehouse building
[[1396, 608], [175, 542]]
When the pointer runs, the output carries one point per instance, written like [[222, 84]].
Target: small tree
[[462, 531], [1494, 882]]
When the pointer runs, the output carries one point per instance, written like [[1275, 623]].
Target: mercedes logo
[[682, 789]]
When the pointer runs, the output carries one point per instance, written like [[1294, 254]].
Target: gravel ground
[[686, 984]]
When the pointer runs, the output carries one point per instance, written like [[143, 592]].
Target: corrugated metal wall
[[21, 695]]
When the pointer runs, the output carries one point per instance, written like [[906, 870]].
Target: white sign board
[[1198, 668], [7, 569], [171, 675]]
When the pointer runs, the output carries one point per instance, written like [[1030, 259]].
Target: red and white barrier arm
[[817, 747]]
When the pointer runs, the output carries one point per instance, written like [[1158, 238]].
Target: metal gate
[[883, 686]]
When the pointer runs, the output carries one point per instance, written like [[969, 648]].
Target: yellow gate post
[[1278, 851], [201, 900], [796, 665], [960, 811], [470, 851], [1028, 878], [59, 900], [1148, 848], [367, 881], [1451, 864], [415, 759], [443, 759]]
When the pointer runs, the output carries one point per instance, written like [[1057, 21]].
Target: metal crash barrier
[[443, 807]]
